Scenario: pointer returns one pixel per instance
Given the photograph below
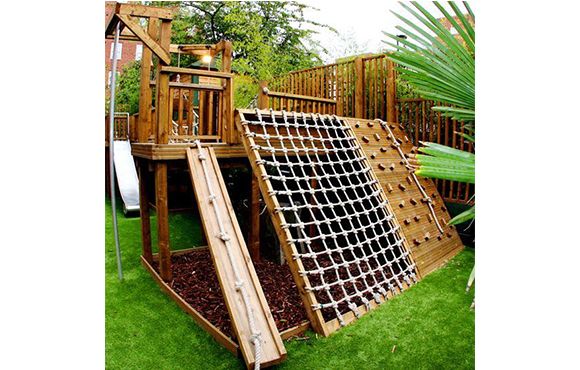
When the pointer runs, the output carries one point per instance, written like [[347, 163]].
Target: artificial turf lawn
[[430, 326]]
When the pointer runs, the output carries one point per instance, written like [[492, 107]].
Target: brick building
[[127, 52]]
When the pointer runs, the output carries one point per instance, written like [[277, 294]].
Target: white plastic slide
[[126, 174]]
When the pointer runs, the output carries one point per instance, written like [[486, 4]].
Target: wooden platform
[[272, 348], [161, 152], [430, 248]]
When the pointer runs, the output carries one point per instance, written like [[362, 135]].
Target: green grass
[[431, 324]]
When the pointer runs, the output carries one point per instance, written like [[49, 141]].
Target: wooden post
[[391, 92], [164, 123], [144, 125], [359, 91], [163, 98], [144, 207], [254, 232], [262, 96], [162, 220]]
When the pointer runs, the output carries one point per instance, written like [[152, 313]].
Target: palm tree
[[440, 65]]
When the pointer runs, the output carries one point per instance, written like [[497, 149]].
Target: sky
[[363, 19]]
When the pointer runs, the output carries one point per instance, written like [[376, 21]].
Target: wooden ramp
[[232, 263]]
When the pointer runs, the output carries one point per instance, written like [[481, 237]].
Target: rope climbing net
[[338, 219]]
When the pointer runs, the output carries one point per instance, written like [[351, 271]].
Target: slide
[[252, 322], [126, 174]]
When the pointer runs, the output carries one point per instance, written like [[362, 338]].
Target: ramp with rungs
[[126, 176], [252, 321]]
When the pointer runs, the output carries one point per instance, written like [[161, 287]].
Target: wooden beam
[[143, 11], [161, 52], [145, 95], [276, 94], [196, 72], [359, 104], [226, 47], [254, 232], [187, 85], [391, 92], [263, 96]]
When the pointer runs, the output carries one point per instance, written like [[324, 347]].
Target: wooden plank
[[273, 350], [144, 11], [145, 94], [391, 91], [359, 105], [220, 337], [160, 51], [254, 232], [197, 72], [188, 85], [295, 331], [308, 98], [295, 265]]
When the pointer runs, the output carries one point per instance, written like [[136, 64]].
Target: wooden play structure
[[354, 223]]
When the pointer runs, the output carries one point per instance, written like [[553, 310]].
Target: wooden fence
[[366, 88]]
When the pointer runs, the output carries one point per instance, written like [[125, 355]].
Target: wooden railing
[[424, 124], [365, 87], [294, 102], [198, 110], [124, 127]]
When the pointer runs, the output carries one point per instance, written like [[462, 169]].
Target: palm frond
[[438, 63]]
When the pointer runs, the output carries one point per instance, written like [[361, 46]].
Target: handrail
[[187, 85], [276, 94], [196, 72]]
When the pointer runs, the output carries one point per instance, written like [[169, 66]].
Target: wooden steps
[[272, 348]]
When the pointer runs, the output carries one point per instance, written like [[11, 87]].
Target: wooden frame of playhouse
[[157, 142]]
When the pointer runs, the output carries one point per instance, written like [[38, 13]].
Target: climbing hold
[[413, 201], [409, 180], [443, 208], [407, 221], [416, 241], [406, 139], [429, 217], [392, 166], [427, 236], [377, 137], [402, 204], [365, 139], [383, 149], [417, 218], [402, 187], [414, 149], [389, 187], [382, 166], [357, 125], [373, 155]]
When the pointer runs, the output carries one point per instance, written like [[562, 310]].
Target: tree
[[127, 96], [269, 38]]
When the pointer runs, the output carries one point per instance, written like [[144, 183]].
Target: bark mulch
[[195, 280]]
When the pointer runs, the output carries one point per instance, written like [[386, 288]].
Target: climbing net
[[344, 233]]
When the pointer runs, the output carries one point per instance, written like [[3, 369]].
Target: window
[[138, 52], [119, 51]]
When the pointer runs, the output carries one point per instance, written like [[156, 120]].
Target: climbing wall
[[339, 233], [415, 200]]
